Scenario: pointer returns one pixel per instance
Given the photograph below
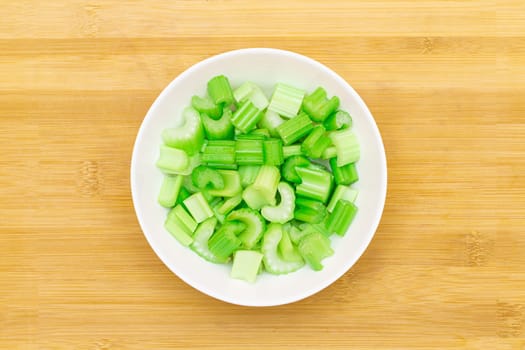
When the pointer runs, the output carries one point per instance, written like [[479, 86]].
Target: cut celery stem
[[292, 150], [344, 175], [205, 178], [346, 145], [341, 218], [198, 207], [289, 168], [221, 129], [286, 100], [232, 184], [341, 192], [172, 160], [318, 107], [246, 264], [338, 120], [286, 248], [271, 120], [284, 211], [273, 152], [262, 191], [205, 105], [316, 142], [248, 174], [254, 226], [246, 117], [329, 152], [295, 128], [220, 90], [273, 262], [315, 184], [169, 191], [249, 152], [252, 92], [229, 204], [225, 241], [219, 153], [314, 248], [200, 241], [190, 136]]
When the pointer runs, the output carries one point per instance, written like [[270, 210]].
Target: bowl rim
[[376, 219]]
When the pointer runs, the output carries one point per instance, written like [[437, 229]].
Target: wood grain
[[445, 81]]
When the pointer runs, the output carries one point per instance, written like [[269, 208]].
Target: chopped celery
[[309, 210], [219, 153], [220, 90], [346, 145], [225, 241], [220, 129], [315, 184], [287, 250], [250, 91], [292, 150], [262, 191], [200, 241], [198, 207], [318, 107], [249, 152], [341, 192], [190, 136], [205, 105], [341, 217], [181, 225], [284, 211], [296, 234], [263, 132], [295, 128], [330, 152], [172, 160], [232, 184], [205, 178], [289, 169], [175, 228], [273, 262], [248, 174], [271, 120], [316, 142], [273, 152], [169, 191], [344, 175], [246, 264], [215, 204], [185, 219], [246, 117], [254, 223], [314, 248], [286, 100], [229, 204], [338, 120]]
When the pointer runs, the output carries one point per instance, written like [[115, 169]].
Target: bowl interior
[[264, 67]]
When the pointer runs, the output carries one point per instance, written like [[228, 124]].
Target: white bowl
[[265, 67]]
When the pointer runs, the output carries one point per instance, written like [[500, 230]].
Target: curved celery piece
[[273, 262], [207, 178], [200, 241], [314, 248], [255, 225], [190, 136], [284, 211], [232, 184]]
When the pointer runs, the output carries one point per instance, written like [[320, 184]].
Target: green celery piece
[[338, 120], [316, 142], [263, 132], [286, 100], [254, 223], [270, 121], [294, 129], [287, 250], [262, 191], [341, 192], [169, 191], [198, 207], [185, 219], [220, 90], [347, 146], [309, 210], [176, 229], [273, 262], [314, 248], [292, 150], [344, 175], [273, 152], [318, 107], [252, 92], [219, 153], [296, 233], [225, 241], [229, 204], [200, 241], [341, 218], [205, 105], [284, 211], [289, 167], [329, 152], [246, 117], [215, 204], [220, 129], [249, 151], [248, 174], [207, 178], [315, 184], [190, 136], [172, 160], [183, 194], [246, 264], [232, 184]]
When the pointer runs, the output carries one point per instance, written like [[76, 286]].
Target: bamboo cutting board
[[445, 81]]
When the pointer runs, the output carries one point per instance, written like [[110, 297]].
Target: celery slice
[[315, 184], [232, 184], [284, 211], [346, 145], [318, 107], [200, 241], [252, 92], [344, 175], [225, 241], [169, 191], [246, 117], [254, 222], [198, 207], [271, 120], [172, 160], [341, 218], [287, 250], [220, 90], [262, 191], [289, 167], [295, 128], [207, 178], [316, 142], [309, 210], [273, 152], [220, 129], [249, 152], [314, 248], [190, 136], [248, 174], [229, 204], [292, 150], [205, 105], [338, 120], [329, 152], [273, 262], [341, 192], [219, 153], [246, 264], [286, 100]]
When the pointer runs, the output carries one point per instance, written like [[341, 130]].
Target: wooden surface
[[445, 81]]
